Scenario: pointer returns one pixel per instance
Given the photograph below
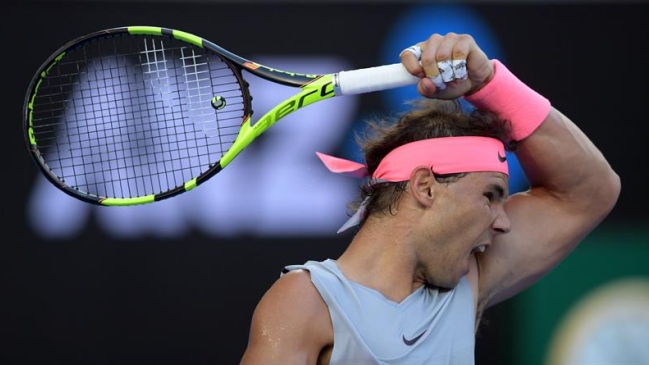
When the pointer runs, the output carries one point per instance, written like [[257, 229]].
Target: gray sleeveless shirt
[[429, 327]]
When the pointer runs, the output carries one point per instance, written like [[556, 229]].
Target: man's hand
[[450, 66]]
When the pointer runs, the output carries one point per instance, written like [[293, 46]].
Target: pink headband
[[445, 155]]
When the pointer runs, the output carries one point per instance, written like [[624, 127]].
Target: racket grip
[[367, 80]]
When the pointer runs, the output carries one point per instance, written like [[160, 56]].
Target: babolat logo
[[294, 103]]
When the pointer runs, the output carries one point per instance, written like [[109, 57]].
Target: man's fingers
[[438, 81], [446, 70], [459, 70], [460, 52], [415, 50], [444, 54], [410, 59], [441, 59], [429, 60]]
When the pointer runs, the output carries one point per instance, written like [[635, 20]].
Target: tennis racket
[[133, 115]]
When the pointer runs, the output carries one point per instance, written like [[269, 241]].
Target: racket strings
[[127, 119]]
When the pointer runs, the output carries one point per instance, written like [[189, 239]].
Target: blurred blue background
[[177, 281]]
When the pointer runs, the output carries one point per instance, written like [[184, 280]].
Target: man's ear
[[422, 185]]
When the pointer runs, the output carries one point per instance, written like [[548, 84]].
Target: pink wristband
[[510, 99]]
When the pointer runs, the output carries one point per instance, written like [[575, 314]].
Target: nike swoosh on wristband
[[412, 342], [502, 158]]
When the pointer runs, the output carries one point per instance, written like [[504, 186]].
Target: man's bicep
[[544, 231]]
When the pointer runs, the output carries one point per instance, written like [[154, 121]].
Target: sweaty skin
[[433, 235]]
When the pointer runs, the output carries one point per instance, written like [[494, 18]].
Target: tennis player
[[439, 239]]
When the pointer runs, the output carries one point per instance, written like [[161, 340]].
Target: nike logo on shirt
[[412, 341]]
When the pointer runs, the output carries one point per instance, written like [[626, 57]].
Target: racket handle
[[367, 80]]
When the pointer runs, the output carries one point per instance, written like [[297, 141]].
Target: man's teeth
[[480, 248]]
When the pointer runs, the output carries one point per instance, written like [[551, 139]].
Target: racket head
[[133, 115]]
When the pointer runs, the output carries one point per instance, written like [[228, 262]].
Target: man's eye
[[490, 196]]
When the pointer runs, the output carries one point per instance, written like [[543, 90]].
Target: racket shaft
[[372, 79]]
